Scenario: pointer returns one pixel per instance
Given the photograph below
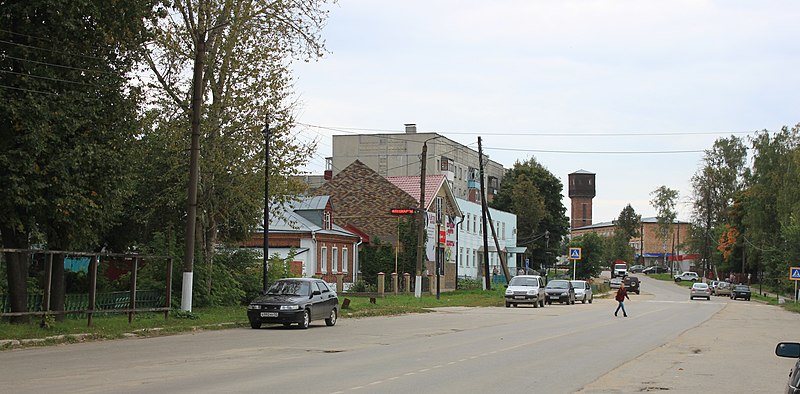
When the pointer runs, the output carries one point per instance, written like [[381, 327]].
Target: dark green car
[[740, 291]]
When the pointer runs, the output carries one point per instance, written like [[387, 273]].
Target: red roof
[[410, 185]]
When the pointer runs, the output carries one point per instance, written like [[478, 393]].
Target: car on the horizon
[[656, 269], [525, 289], [740, 291], [700, 290], [294, 300], [560, 291], [637, 268], [615, 283], [583, 291], [792, 350]]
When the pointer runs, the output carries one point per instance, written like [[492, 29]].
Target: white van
[[619, 270]]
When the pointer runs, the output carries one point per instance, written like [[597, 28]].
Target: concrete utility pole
[[266, 202], [486, 275], [194, 168]]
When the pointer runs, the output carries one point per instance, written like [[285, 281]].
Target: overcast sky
[[633, 91]]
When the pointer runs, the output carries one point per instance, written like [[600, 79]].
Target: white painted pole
[[186, 292]]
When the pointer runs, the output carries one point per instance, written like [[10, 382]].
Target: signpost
[[794, 274], [574, 255]]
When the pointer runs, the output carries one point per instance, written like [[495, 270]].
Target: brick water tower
[[581, 192]]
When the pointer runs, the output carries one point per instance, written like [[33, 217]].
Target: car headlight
[[289, 307], [509, 292], [254, 306], [531, 292]]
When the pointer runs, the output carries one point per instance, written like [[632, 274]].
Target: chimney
[[411, 128]]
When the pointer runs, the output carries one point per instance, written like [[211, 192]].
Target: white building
[[469, 256]]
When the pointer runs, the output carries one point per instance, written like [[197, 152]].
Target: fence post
[[132, 298], [169, 288], [407, 281], [92, 288], [395, 289], [381, 284], [339, 282]]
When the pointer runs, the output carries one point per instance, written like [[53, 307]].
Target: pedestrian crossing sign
[[794, 273], [575, 254]]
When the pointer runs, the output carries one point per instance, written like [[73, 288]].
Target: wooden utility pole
[[486, 276]]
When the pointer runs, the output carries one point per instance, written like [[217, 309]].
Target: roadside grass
[[214, 318]]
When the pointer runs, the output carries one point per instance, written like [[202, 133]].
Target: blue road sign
[[794, 273], [575, 253]]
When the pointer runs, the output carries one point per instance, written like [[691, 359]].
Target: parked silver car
[[583, 291], [525, 289]]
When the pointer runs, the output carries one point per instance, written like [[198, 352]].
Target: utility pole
[[266, 201], [421, 221], [194, 166], [483, 218]]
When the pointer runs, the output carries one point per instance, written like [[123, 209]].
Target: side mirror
[[788, 349]]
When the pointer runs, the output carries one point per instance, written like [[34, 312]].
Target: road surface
[[666, 343]]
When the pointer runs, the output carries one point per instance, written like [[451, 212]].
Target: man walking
[[622, 294]]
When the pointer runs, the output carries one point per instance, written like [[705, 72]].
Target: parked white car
[[691, 276], [583, 291], [615, 283]]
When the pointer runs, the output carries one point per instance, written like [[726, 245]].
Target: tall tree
[[626, 226], [592, 254], [663, 201], [68, 115], [543, 236], [239, 53], [715, 186]]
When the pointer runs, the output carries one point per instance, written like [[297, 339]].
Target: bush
[[465, 283]]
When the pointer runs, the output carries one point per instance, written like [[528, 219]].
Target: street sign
[[794, 273], [400, 211], [575, 253]]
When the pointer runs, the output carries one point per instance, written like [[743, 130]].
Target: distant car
[[700, 290], [619, 270], [688, 276], [792, 350], [656, 269], [583, 291], [636, 268], [560, 291], [722, 288], [740, 291], [615, 283], [295, 300], [525, 289], [632, 284]]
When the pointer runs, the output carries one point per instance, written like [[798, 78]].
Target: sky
[[633, 91]]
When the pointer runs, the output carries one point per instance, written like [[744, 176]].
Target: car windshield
[[699, 285], [522, 281], [741, 288], [558, 284], [620, 266], [290, 287]]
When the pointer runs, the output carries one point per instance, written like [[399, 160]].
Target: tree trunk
[[17, 270]]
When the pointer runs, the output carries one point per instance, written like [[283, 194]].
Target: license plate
[[555, 297], [269, 314], [519, 297]]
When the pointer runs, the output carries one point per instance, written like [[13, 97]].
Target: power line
[[55, 65], [597, 152], [29, 90], [51, 50], [45, 78]]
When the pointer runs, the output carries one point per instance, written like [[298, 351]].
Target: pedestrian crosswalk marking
[[795, 273]]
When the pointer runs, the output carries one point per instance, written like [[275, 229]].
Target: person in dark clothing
[[622, 294]]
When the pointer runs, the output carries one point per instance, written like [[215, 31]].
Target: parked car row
[[530, 289]]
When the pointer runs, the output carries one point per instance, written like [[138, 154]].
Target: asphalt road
[[666, 343]]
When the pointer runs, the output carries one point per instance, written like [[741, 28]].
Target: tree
[[238, 52], [542, 236], [627, 226], [663, 201], [715, 186], [592, 253], [68, 115]]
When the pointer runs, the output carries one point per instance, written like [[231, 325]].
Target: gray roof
[[310, 203], [584, 172]]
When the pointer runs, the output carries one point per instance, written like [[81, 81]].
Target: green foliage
[[375, 258], [538, 206], [592, 253], [362, 287], [467, 283]]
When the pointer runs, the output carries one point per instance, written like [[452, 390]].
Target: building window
[[335, 260], [323, 260], [345, 259], [460, 257], [326, 220]]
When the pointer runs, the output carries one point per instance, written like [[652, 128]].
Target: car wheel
[[691, 298], [677, 279], [332, 319], [255, 324], [748, 298], [590, 299], [287, 324], [535, 304], [583, 300], [508, 305], [306, 319]]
